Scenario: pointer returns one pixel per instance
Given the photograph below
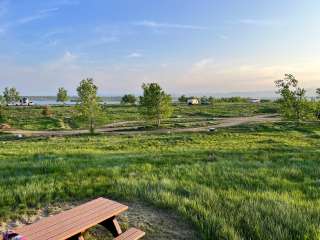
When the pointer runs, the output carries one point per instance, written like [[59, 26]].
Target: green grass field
[[247, 182], [32, 118]]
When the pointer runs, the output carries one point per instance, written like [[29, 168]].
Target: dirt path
[[120, 129]]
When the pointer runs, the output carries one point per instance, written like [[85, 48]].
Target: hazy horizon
[[205, 46], [259, 94]]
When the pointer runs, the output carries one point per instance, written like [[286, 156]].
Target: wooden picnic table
[[73, 223]]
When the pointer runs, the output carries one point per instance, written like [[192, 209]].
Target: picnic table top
[[71, 222]]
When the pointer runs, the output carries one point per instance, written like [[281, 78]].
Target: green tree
[[11, 95], [318, 103], [204, 100], [88, 105], [155, 104], [183, 99], [2, 101], [294, 104], [128, 99], [2, 114], [211, 100], [62, 95]]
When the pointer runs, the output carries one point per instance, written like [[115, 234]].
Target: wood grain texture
[[72, 222], [131, 234]]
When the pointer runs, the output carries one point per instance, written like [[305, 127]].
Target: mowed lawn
[[249, 182]]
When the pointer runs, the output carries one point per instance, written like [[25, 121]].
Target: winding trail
[[119, 129]]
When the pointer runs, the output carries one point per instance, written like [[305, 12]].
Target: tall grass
[[249, 182]]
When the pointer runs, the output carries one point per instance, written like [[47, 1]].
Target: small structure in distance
[[254, 100], [25, 101], [22, 102], [193, 101]]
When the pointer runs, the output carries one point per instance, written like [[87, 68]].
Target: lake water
[[52, 102]]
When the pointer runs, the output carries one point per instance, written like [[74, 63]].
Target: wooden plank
[[131, 234], [79, 224], [72, 222], [56, 226], [43, 223], [65, 213], [84, 224]]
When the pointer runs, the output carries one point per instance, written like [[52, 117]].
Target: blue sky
[[188, 46]]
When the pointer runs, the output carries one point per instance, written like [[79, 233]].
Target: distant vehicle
[[193, 101], [25, 102], [254, 100], [212, 129], [22, 102]]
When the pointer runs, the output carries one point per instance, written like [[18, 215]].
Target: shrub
[[46, 111]]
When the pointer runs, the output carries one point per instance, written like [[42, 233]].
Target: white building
[[193, 101]]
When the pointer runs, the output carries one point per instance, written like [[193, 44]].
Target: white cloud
[[67, 60], [157, 25], [68, 57], [202, 64], [32, 18], [40, 15], [103, 40], [259, 22], [53, 43], [53, 37], [238, 76], [98, 42], [208, 74], [49, 10], [43, 78], [134, 55]]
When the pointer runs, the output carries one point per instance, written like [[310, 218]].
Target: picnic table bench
[[71, 224]]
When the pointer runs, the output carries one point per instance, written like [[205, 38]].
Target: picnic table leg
[[113, 226], [77, 237]]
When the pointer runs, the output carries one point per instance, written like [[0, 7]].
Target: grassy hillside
[[32, 118], [249, 182]]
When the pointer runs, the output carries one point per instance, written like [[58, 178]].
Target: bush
[[266, 101], [314, 107], [183, 99], [46, 111], [232, 100], [317, 109], [128, 99], [2, 115]]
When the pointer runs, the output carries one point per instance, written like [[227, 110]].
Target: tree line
[[204, 100], [155, 104]]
